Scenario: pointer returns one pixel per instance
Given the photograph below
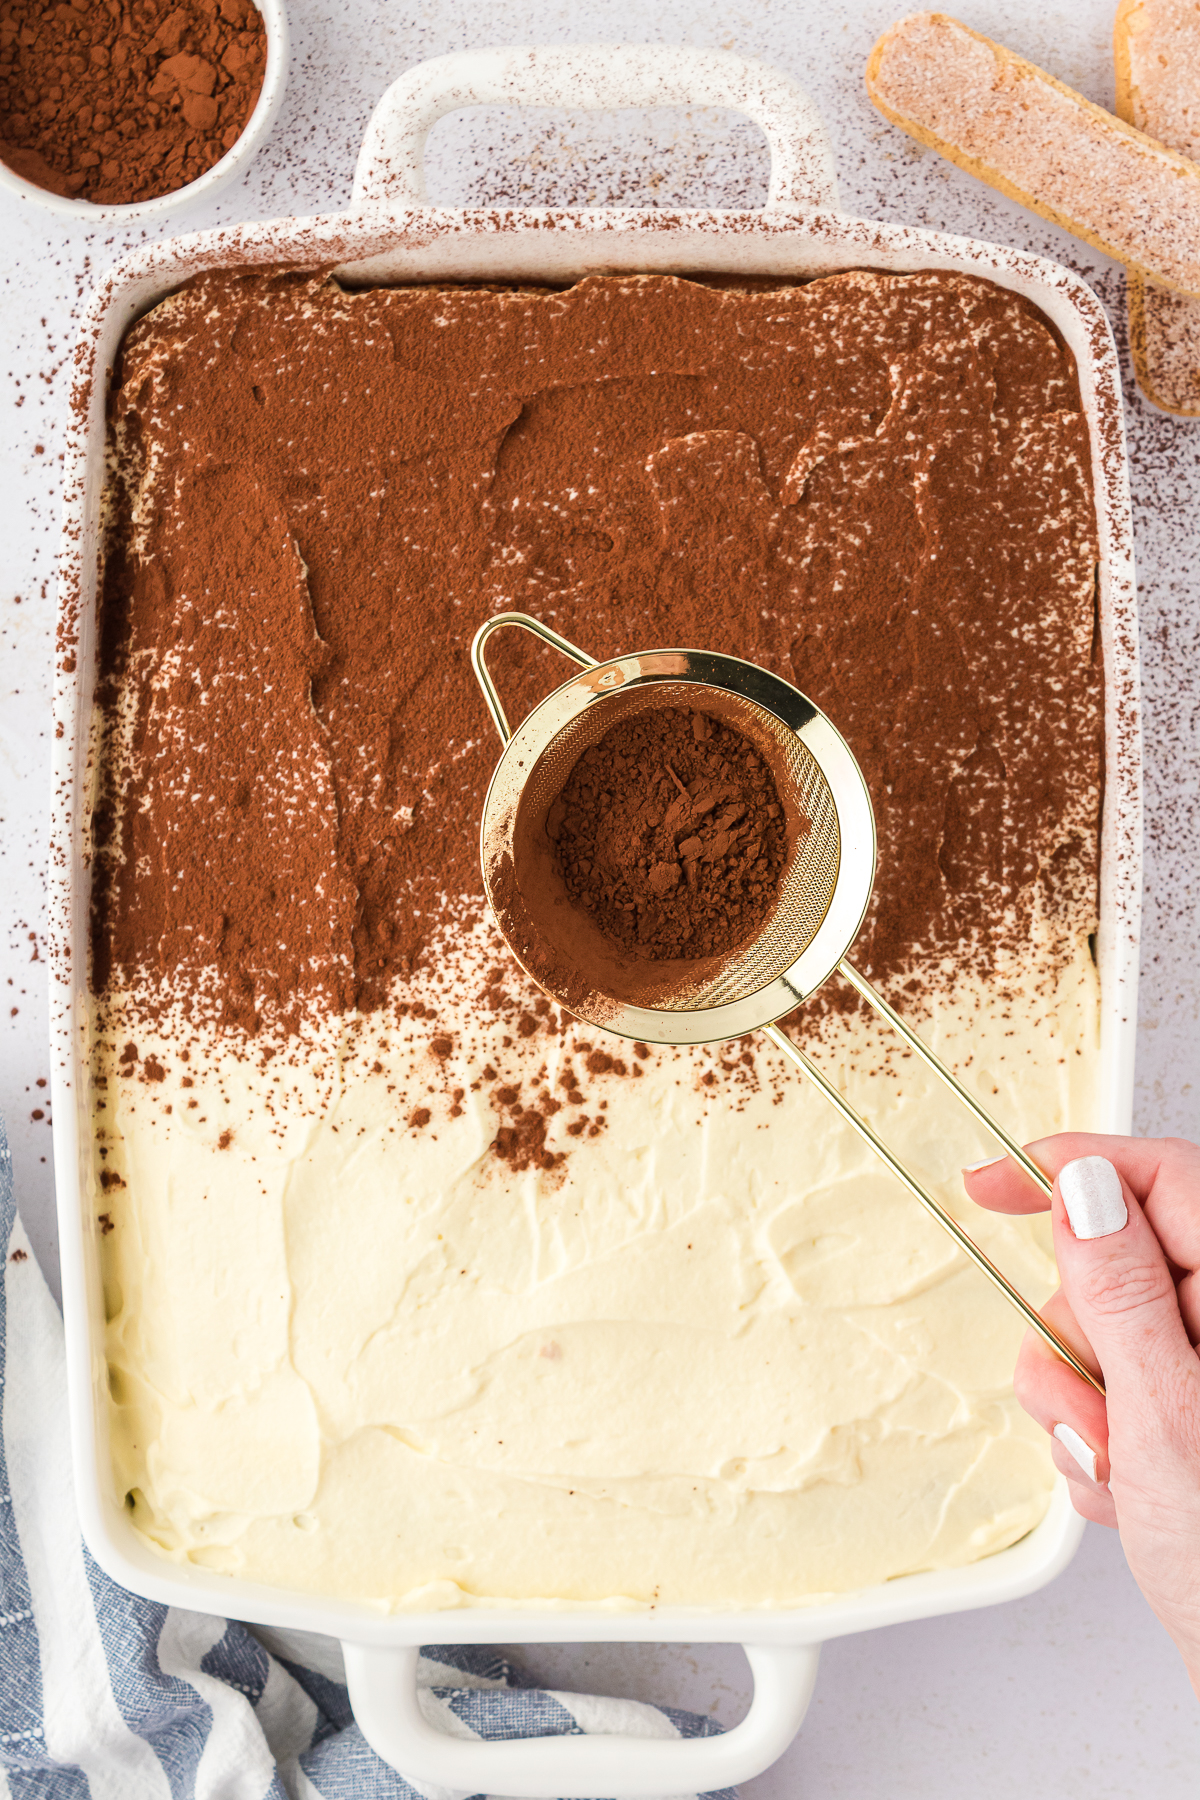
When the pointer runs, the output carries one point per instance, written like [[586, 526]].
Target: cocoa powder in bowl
[[669, 832], [117, 101]]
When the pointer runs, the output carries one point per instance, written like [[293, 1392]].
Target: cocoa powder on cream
[[875, 486]]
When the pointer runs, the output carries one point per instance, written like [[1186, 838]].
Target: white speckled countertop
[[1074, 1691]]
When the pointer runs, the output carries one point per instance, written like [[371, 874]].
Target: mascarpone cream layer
[[715, 1357]]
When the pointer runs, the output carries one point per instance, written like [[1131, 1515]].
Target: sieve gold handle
[[966, 1244], [874, 998], [536, 629]]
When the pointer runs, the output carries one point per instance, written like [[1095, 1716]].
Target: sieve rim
[[789, 706]]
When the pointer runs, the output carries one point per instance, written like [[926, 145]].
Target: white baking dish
[[389, 234]]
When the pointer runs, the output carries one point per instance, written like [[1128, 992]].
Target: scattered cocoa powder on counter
[[670, 833], [116, 101]]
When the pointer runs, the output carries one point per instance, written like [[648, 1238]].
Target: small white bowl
[[227, 169]]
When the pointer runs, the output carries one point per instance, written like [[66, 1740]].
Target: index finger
[[1163, 1173]]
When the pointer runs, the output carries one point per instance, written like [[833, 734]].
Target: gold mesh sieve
[[823, 894]]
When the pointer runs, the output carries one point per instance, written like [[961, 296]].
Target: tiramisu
[[420, 1292]]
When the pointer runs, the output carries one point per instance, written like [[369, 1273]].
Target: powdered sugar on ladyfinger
[[1012, 125], [1156, 51]]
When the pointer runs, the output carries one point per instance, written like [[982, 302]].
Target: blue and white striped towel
[[106, 1695]]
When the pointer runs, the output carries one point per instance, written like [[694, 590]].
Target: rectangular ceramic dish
[[391, 235]]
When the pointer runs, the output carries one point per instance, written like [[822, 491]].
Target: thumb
[[1118, 1284]]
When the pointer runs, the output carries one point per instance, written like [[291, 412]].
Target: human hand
[[1126, 1214]]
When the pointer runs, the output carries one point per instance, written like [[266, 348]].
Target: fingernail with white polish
[[1083, 1453], [1091, 1191], [989, 1162]]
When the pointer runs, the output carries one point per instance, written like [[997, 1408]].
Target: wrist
[[1188, 1645], [1193, 1669]]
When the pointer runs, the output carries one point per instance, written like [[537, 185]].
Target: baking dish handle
[[594, 77], [625, 1766]]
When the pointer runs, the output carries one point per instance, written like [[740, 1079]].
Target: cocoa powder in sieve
[[115, 101], [669, 832]]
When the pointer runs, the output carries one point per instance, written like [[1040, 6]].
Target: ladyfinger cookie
[[1018, 129], [1156, 50]]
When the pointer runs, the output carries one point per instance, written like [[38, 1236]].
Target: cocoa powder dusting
[[122, 100], [670, 833], [875, 486]]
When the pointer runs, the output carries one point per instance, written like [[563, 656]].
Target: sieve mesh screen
[[811, 874]]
